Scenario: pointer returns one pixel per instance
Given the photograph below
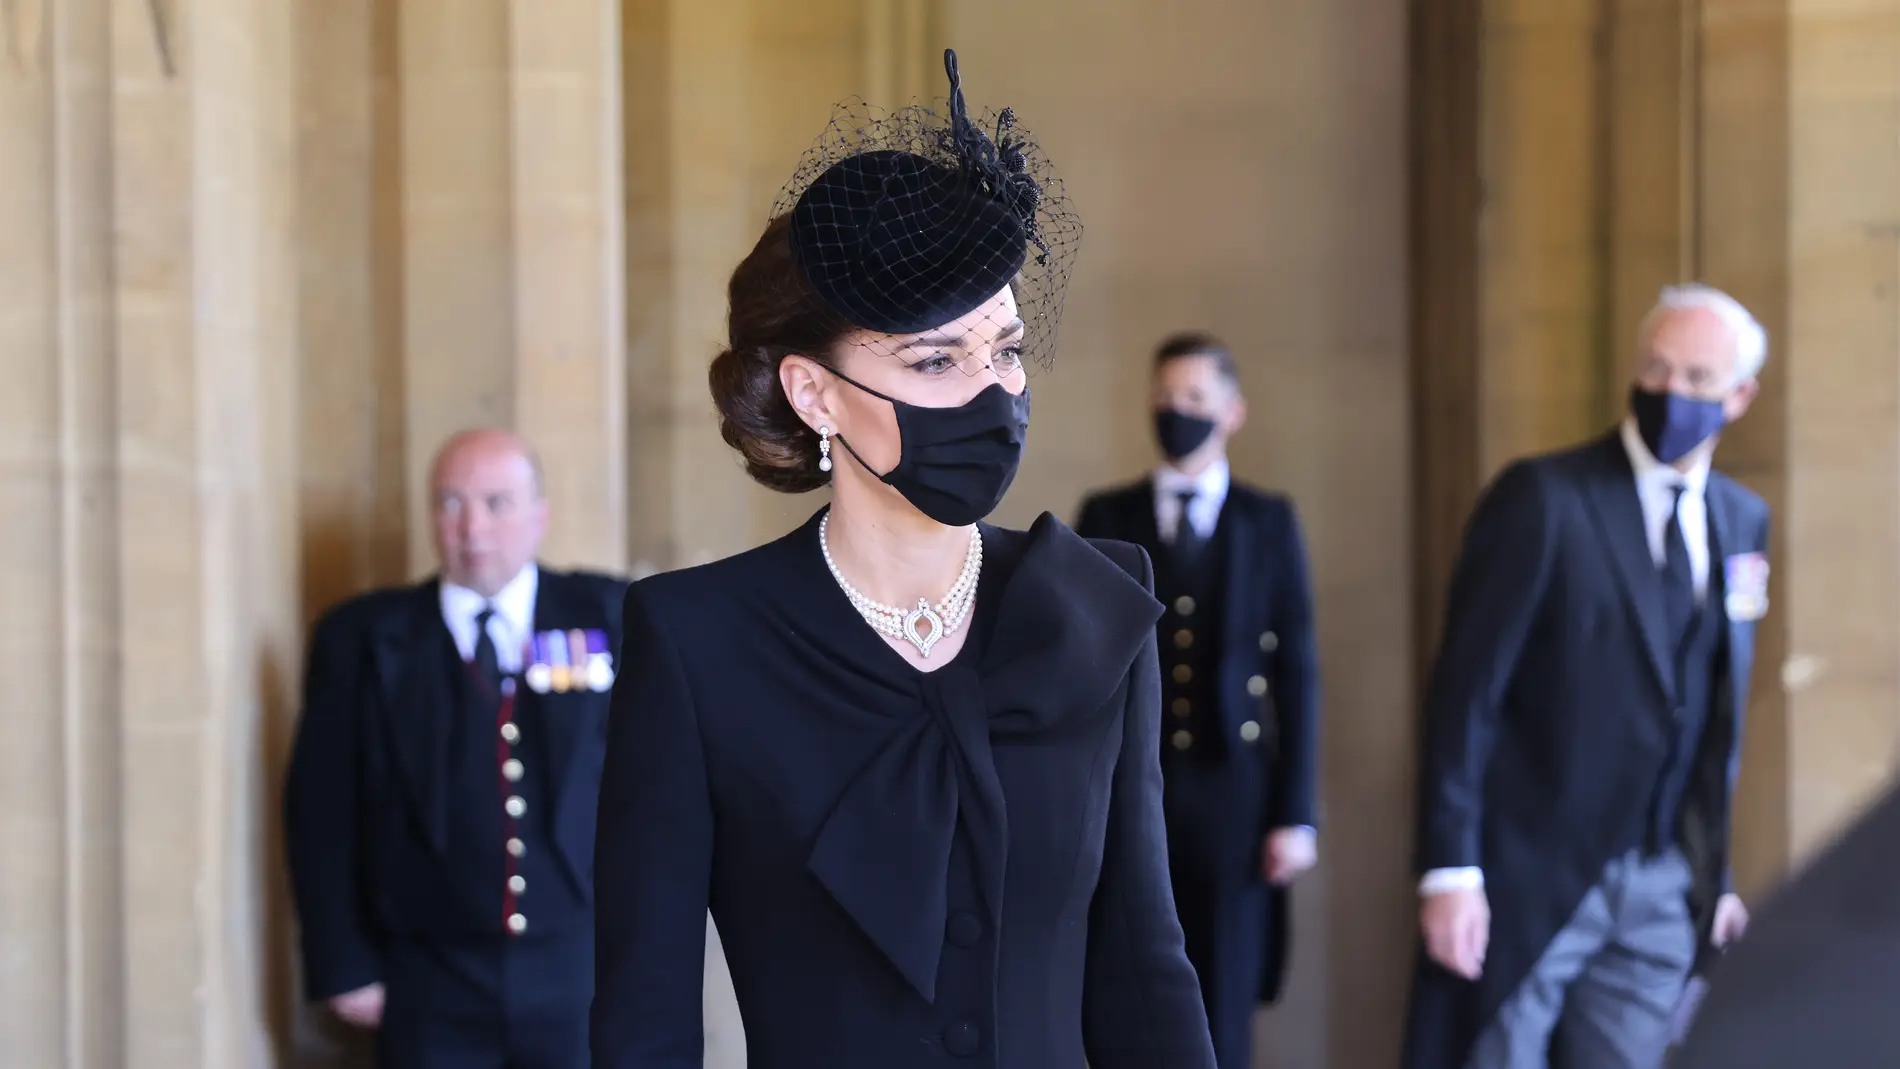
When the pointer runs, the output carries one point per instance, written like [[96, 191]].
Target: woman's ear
[[805, 387]]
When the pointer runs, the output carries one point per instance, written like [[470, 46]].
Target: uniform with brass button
[[441, 814], [1239, 741]]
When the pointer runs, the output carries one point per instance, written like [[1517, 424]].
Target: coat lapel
[[418, 701], [1619, 516]]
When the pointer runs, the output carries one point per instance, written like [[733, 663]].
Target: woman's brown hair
[[772, 313]]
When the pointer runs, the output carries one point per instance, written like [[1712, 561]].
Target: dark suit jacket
[[365, 804], [1268, 631], [964, 866], [1267, 634], [1548, 717], [1816, 981]]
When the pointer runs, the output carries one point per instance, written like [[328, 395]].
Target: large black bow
[[1069, 625]]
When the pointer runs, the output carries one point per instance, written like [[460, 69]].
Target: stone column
[[1799, 203], [457, 230], [512, 251], [149, 360], [688, 132], [60, 620], [1542, 262], [569, 270], [204, 382]]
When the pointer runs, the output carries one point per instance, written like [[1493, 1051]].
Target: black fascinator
[[904, 222]]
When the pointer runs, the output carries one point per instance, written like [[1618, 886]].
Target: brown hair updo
[[772, 313]]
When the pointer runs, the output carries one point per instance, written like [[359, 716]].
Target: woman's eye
[[1007, 361], [935, 365]]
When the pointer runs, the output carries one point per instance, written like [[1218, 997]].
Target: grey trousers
[[1604, 993]]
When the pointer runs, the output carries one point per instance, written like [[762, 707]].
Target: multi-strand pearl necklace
[[946, 617]]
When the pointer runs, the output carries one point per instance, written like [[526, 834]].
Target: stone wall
[[262, 255]]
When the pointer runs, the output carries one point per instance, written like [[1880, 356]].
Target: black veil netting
[[903, 222]]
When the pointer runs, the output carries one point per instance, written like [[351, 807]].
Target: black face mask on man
[[1671, 425], [1179, 434], [955, 463]]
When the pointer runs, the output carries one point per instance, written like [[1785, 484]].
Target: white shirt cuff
[[1439, 881]]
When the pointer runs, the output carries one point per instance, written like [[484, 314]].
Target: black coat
[[1267, 634], [1817, 978], [961, 867], [366, 800], [1548, 717]]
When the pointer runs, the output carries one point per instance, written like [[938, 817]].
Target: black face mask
[[1672, 425], [1180, 434], [956, 463]]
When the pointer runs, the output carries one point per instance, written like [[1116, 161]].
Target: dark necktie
[[487, 665], [1187, 541], [1678, 579]]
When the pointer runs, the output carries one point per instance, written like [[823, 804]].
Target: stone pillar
[[457, 231], [151, 367], [60, 545], [511, 232], [1799, 202], [689, 221], [1541, 260], [569, 271]]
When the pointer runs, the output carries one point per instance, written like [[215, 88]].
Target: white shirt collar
[[1650, 470], [1211, 483], [514, 604]]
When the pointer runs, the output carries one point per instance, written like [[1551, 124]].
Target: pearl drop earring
[[824, 449]]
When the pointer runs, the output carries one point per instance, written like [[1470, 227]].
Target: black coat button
[[961, 1039], [964, 929]]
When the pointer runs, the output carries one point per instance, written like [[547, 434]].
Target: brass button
[[511, 770], [1249, 731], [517, 923], [516, 848], [1184, 606], [515, 805], [1183, 674], [1257, 686], [510, 733], [1269, 642], [1183, 638], [1182, 740], [1181, 707], [518, 884]]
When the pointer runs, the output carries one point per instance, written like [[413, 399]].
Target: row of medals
[[579, 670]]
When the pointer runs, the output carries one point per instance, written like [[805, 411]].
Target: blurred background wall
[[257, 257]]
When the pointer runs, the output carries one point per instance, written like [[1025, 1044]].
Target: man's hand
[[1288, 853], [362, 1007], [1731, 921], [1457, 927]]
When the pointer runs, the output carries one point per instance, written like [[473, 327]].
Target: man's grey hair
[[1751, 339]]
